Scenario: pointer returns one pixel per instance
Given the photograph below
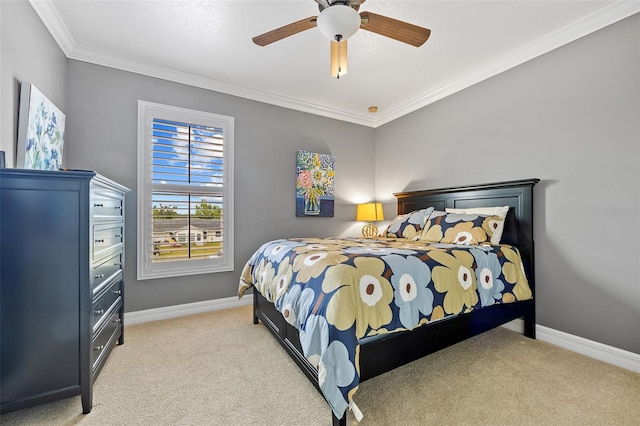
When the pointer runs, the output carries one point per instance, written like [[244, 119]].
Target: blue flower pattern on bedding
[[411, 295], [336, 291], [490, 287]]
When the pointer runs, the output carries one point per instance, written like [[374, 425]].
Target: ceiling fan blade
[[285, 31], [356, 4], [392, 28]]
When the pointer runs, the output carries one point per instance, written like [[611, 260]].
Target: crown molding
[[217, 86], [52, 21], [594, 22], [585, 26]]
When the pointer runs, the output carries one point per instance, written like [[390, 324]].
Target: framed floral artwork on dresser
[[40, 131], [315, 175]]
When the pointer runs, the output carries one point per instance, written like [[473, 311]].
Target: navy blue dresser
[[61, 283]]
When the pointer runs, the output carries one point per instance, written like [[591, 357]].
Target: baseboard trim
[[599, 351], [168, 312], [596, 350]]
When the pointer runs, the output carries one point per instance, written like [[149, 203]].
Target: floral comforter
[[336, 291]]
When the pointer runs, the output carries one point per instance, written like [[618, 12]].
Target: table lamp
[[369, 212]]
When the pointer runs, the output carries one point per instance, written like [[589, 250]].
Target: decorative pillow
[[408, 225], [464, 229], [495, 227]]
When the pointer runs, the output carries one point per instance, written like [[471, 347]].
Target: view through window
[[184, 192], [187, 222]]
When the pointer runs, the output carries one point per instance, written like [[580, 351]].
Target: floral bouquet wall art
[[314, 184], [40, 131]]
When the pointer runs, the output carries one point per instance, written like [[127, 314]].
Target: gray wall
[[102, 136], [572, 118], [28, 52]]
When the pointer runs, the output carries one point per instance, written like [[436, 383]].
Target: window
[[185, 191]]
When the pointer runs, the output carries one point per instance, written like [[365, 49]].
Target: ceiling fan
[[338, 20]]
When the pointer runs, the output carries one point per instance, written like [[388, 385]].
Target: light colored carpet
[[220, 369]]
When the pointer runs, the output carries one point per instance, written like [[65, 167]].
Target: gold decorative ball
[[369, 230]]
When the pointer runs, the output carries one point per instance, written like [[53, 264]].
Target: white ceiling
[[208, 44]]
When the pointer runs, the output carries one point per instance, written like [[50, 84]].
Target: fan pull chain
[[338, 38]]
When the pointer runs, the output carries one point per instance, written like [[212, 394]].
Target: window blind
[[185, 191], [187, 179]]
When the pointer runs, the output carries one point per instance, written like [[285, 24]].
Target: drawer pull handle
[[98, 205], [98, 348], [99, 276], [117, 264], [118, 236], [99, 241], [99, 312], [118, 292], [118, 207], [117, 320]]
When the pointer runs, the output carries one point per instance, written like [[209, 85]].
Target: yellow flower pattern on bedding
[[362, 295], [493, 226], [313, 263], [514, 273], [464, 233], [455, 279], [462, 229], [336, 291]]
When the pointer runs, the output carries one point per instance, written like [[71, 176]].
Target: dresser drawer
[[106, 204], [107, 239], [106, 272], [106, 338], [106, 300]]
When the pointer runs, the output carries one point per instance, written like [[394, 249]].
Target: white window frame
[[146, 268]]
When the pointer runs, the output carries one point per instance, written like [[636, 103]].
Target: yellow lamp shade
[[369, 212]]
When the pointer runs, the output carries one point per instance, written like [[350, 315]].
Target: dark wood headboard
[[517, 194]]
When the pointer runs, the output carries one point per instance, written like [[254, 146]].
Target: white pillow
[[489, 211]]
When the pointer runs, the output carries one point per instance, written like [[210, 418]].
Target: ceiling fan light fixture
[[338, 22]]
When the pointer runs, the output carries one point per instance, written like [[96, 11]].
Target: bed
[[347, 343]]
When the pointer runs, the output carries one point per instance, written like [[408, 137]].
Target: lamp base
[[369, 230]]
